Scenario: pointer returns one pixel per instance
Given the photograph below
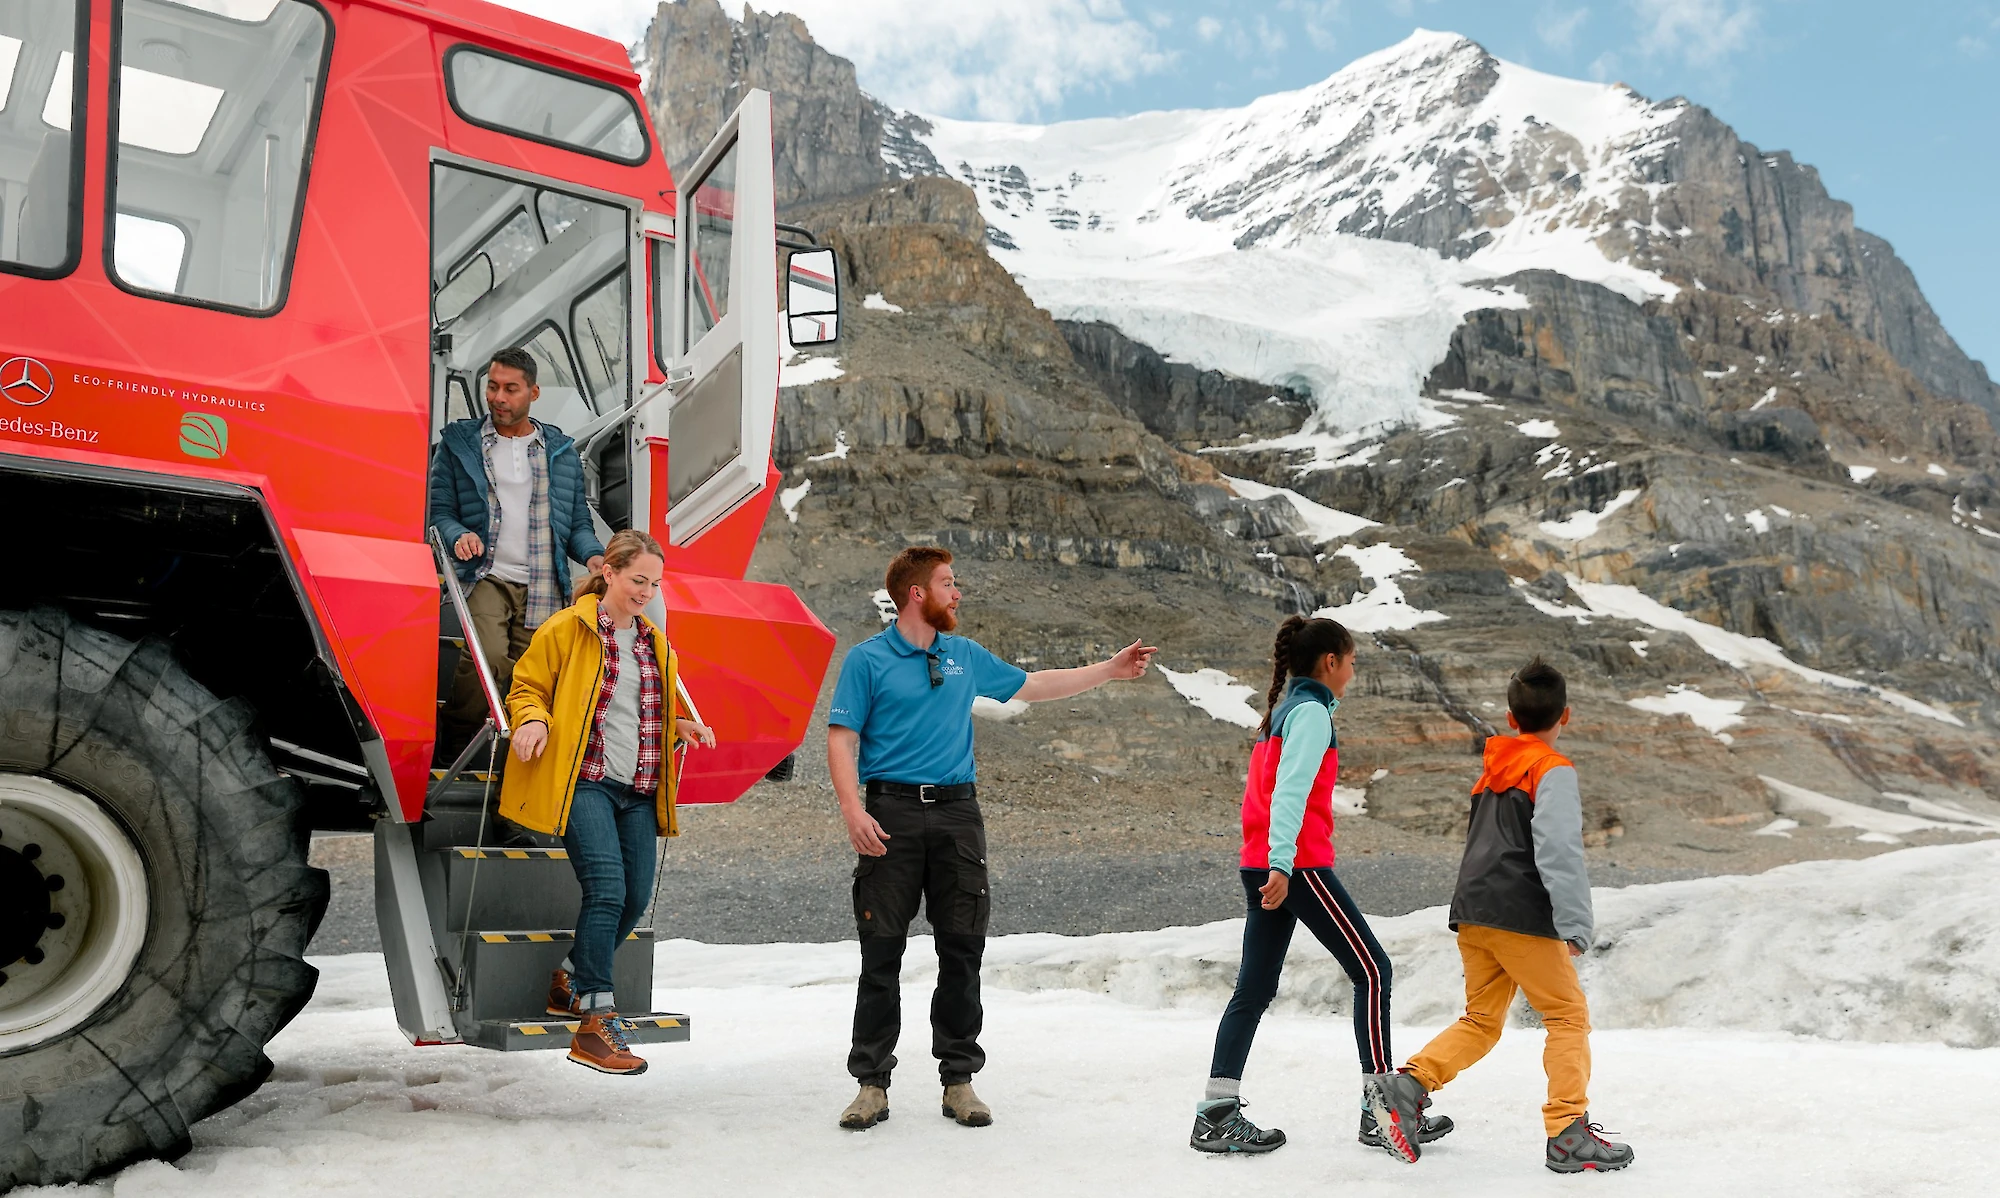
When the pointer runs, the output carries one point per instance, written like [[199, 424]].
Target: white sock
[[1222, 1087]]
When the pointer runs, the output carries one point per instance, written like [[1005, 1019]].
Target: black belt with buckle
[[924, 794]]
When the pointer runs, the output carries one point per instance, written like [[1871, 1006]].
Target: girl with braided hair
[[1288, 879]]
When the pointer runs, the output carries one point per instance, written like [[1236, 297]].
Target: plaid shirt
[[652, 746], [545, 595]]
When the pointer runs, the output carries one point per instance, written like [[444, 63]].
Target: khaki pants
[[1498, 963], [499, 623]]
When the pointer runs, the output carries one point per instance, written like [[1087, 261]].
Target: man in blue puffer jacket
[[506, 495]]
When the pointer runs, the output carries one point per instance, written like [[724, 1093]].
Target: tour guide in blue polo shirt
[[901, 725]]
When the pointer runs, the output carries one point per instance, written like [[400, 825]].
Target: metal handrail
[[694, 712], [494, 703]]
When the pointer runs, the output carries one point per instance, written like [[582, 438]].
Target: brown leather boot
[[870, 1106], [962, 1104], [600, 1044], [562, 999]]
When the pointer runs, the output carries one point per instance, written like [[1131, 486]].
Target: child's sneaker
[[1397, 1101], [1435, 1127], [1581, 1146], [1219, 1126]]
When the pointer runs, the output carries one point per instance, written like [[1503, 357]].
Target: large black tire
[[232, 902]]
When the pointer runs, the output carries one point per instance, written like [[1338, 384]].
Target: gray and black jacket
[[1523, 869]]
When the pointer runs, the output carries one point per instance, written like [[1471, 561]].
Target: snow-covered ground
[[1784, 1034]]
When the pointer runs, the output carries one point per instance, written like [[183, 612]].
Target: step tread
[[543, 1027], [545, 937], [518, 1035], [508, 854]]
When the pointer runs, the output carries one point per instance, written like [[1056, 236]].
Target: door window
[[217, 101], [40, 166], [709, 246]]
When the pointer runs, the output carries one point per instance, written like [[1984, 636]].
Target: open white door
[[726, 328]]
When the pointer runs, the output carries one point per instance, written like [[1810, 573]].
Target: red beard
[[939, 615]]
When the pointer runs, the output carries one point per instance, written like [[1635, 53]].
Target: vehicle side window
[[552, 107], [660, 252], [601, 333], [217, 102], [458, 401], [41, 166]]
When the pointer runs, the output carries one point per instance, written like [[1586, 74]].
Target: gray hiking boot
[[1219, 1126], [870, 1106], [1397, 1102], [962, 1104], [1434, 1127], [1582, 1147]]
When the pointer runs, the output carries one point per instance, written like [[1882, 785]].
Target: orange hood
[[1517, 763]]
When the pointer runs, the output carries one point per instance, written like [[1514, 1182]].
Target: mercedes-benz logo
[[26, 381]]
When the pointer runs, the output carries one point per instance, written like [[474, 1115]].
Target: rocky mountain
[[698, 62], [1483, 363]]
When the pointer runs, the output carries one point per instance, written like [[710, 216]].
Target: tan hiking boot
[[962, 1104], [562, 999], [600, 1044], [870, 1106]]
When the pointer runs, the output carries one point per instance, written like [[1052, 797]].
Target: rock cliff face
[[1191, 407], [698, 63]]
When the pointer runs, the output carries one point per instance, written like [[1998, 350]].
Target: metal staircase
[[502, 915]]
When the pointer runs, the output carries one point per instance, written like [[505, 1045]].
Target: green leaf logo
[[203, 435]]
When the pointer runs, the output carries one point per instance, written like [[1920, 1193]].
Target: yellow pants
[[1497, 964]]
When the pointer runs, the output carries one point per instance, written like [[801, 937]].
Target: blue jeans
[[611, 839]]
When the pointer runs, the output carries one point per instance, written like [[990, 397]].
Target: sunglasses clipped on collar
[[937, 675]]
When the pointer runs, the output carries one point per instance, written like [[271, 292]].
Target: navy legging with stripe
[[1317, 899]]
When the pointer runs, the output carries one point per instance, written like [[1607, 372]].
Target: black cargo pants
[[937, 853]]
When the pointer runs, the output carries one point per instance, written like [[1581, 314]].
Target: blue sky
[[1897, 104]]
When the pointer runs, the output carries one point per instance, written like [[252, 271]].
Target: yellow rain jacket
[[556, 682]]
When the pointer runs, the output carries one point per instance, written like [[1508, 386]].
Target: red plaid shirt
[[652, 746]]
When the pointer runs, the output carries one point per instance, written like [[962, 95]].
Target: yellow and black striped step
[[545, 937], [512, 854], [522, 1035], [480, 776]]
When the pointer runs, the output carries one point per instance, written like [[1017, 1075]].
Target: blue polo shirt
[[913, 732]]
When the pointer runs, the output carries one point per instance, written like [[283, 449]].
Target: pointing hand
[[1132, 660]]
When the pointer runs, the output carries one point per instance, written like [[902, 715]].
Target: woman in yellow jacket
[[594, 738]]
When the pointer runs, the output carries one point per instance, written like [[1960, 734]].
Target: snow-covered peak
[[1250, 239], [1432, 141]]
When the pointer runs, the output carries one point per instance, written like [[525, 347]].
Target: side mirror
[[812, 297], [473, 280]]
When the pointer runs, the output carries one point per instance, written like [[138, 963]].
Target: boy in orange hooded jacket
[[1522, 913]]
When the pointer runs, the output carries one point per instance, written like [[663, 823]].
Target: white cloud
[[1972, 46], [1701, 31], [1208, 29], [1317, 18], [1011, 61], [1558, 29], [623, 21]]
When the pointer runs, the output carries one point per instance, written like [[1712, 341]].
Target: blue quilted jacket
[[459, 487]]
